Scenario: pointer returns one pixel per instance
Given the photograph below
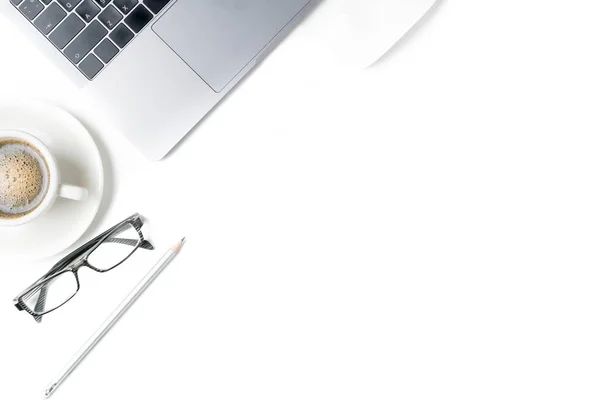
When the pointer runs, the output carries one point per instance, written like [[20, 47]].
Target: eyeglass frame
[[78, 259]]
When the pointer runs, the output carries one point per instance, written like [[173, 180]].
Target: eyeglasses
[[101, 254]]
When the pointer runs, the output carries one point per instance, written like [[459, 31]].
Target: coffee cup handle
[[73, 192]]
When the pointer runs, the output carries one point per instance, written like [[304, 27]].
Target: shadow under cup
[[24, 177]]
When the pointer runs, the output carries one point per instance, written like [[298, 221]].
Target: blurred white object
[[356, 33]]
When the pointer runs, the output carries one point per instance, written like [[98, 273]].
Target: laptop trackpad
[[218, 38]]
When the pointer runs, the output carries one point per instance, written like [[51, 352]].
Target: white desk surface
[[426, 229]]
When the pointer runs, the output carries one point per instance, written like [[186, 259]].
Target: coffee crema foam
[[23, 178]]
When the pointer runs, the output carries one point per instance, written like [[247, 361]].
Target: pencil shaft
[[110, 322]]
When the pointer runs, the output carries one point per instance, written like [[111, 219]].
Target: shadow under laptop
[[414, 31]]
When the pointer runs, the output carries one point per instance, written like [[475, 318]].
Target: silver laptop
[[156, 67]]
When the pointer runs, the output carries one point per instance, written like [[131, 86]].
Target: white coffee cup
[[55, 188]]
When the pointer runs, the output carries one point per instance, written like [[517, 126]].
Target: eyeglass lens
[[115, 249], [53, 293]]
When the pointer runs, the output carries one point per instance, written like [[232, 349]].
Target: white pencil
[[114, 317]]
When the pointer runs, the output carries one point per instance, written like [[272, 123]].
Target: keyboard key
[[139, 18], [69, 5], [103, 3], [156, 5], [106, 51], [66, 31], [16, 2], [91, 66], [88, 10], [31, 8], [46, 2], [50, 18], [110, 17], [125, 5], [85, 42], [121, 35]]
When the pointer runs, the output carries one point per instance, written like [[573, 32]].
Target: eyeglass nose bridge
[[77, 265], [84, 263]]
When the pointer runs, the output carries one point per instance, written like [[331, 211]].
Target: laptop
[[156, 67]]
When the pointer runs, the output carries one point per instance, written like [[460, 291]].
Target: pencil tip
[[177, 247]]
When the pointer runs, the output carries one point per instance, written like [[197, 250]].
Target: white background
[[426, 229]]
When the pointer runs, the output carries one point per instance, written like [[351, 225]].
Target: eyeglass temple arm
[[134, 220], [131, 242], [41, 301]]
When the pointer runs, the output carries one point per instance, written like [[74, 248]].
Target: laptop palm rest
[[218, 38]]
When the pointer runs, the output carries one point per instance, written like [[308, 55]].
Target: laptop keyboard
[[90, 33]]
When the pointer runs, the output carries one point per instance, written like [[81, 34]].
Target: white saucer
[[80, 164]]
